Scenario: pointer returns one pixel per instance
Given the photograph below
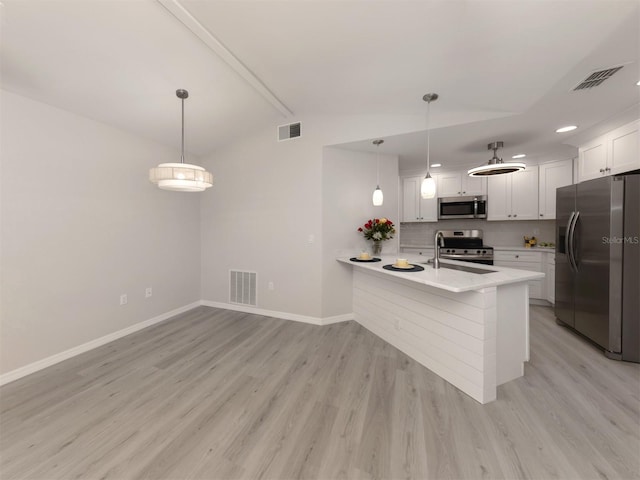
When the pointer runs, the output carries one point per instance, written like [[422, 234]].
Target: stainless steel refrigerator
[[598, 262]]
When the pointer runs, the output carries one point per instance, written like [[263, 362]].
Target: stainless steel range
[[465, 245]]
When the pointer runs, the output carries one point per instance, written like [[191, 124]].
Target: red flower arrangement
[[378, 229]]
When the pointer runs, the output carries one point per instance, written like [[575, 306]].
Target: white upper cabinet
[[414, 207], [552, 176], [460, 184], [623, 152], [615, 152], [513, 196]]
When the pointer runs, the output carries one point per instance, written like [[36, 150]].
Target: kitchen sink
[[462, 268]]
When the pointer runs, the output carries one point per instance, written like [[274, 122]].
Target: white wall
[[81, 224], [348, 181], [262, 209], [268, 200]]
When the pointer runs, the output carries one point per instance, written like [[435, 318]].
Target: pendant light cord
[[429, 97], [378, 166], [182, 156], [428, 135], [377, 143]]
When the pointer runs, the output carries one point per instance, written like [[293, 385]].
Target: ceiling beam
[[182, 14]]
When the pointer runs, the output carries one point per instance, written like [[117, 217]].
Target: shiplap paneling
[[428, 323]]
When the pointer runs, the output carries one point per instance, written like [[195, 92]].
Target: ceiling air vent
[[596, 78], [287, 132]]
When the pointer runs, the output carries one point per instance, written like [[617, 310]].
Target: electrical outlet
[[271, 286], [148, 292], [123, 299], [536, 231], [311, 238]]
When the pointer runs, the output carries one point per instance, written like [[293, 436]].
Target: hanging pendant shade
[[181, 177], [378, 197], [428, 187]]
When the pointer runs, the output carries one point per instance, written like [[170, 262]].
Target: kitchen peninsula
[[472, 329]]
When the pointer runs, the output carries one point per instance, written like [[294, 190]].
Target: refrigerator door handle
[[567, 248], [571, 241]]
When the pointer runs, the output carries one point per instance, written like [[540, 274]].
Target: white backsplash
[[495, 234]]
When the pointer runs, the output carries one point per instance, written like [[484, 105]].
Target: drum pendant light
[[378, 197], [428, 185], [181, 177]]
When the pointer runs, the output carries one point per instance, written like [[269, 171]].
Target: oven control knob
[[484, 252], [478, 251], [466, 251]]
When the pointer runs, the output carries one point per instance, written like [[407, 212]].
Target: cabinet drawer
[[531, 266], [427, 252], [517, 256]]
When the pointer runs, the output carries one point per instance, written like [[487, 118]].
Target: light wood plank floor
[[215, 394]]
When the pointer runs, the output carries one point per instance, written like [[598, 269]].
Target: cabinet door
[[499, 197], [449, 185], [410, 196], [473, 185], [552, 176], [428, 207], [623, 154], [524, 260], [524, 194], [592, 159], [551, 278]]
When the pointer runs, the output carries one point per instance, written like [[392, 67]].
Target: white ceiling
[[507, 65]]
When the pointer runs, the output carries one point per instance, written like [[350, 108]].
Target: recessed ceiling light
[[436, 165], [638, 83], [568, 128], [520, 155]]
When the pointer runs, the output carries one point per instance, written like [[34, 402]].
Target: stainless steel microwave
[[462, 207]]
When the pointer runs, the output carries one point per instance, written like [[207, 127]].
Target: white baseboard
[[345, 317], [539, 301], [98, 342], [85, 347], [282, 315]]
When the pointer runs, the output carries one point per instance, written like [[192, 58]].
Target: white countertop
[[447, 279]]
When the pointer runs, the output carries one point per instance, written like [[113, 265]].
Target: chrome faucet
[[436, 257]]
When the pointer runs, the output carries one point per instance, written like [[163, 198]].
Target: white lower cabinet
[[524, 260], [550, 279]]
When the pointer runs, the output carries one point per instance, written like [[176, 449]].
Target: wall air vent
[[288, 132], [596, 78], [242, 287]]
